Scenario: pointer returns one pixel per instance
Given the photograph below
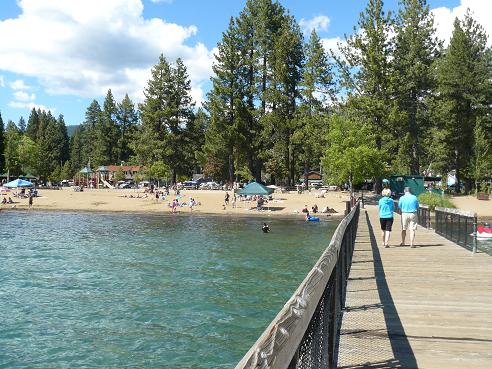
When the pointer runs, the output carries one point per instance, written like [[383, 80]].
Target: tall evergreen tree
[[126, 119], [12, 139], [180, 119], [167, 115], [226, 106], [463, 97], [33, 124], [416, 48], [150, 143], [317, 89], [93, 117], [22, 125], [366, 71], [2, 144], [107, 132], [283, 94]]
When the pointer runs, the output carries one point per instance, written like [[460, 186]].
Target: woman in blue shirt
[[386, 207]]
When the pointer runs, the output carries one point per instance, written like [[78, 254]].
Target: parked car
[[125, 185], [190, 185], [210, 186]]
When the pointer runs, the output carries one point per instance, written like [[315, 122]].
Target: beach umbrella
[[18, 183]]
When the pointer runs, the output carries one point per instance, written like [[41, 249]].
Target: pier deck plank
[[426, 307]]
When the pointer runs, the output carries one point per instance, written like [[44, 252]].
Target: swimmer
[[265, 228]]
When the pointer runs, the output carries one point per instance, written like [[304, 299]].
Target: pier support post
[[475, 235]]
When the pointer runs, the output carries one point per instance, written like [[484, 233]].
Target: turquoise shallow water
[[112, 291]]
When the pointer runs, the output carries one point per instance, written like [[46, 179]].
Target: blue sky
[[59, 55]]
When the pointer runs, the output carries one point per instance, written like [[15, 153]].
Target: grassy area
[[433, 200]]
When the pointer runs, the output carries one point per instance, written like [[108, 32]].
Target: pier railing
[[424, 216], [305, 333], [458, 226]]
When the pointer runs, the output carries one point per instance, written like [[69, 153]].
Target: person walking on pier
[[386, 208], [408, 204]]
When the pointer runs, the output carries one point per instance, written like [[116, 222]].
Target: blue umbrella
[[18, 183]]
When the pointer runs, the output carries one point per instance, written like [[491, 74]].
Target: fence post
[[474, 234], [347, 207]]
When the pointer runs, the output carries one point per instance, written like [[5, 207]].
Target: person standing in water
[[386, 208], [265, 228]]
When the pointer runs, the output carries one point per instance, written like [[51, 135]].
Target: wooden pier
[[424, 307]]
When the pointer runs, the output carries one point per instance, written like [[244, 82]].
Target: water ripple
[[105, 290]]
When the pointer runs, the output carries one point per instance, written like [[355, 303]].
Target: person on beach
[[386, 208], [408, 204], [226, 199], [265, 228], [30, 201], [234, 201]]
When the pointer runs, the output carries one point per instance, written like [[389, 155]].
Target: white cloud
[[19, 85], [318, 23], [24, 96], [2, 81], [83, 48], [444, 17], [333, 45], [29, 106]]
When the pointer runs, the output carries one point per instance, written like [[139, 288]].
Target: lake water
[[111, 291]]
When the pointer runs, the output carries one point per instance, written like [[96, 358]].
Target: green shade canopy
[[255, 188], [86, 170]]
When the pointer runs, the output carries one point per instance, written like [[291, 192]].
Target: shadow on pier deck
[[428, 307]]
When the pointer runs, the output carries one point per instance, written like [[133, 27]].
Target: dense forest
[[393, 99]]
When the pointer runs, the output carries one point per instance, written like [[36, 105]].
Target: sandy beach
[[483, 208], [211, 202]]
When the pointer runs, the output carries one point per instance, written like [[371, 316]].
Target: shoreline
[[285, 205], [323, 217]]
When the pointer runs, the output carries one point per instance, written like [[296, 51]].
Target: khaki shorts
[[409, 221]]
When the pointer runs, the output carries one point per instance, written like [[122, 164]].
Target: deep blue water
[[111, 291]]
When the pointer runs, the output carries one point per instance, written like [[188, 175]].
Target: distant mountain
[[71, 130]]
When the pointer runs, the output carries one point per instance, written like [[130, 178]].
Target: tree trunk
[[174, 176], [231, 168]]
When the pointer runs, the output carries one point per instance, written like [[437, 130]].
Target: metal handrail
[[424, 216], [306, 329], [458, 226]]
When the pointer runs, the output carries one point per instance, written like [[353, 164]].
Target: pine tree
[[93, 117], [77, 151], [126, 119], [366, 71], [283, 93], [2, 144], [317, 88], [22, 125], [416, 48], [167, 115], [33, 125], [226, 106], [149, 144], [180, 117], [463, 95], [12, 139]]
